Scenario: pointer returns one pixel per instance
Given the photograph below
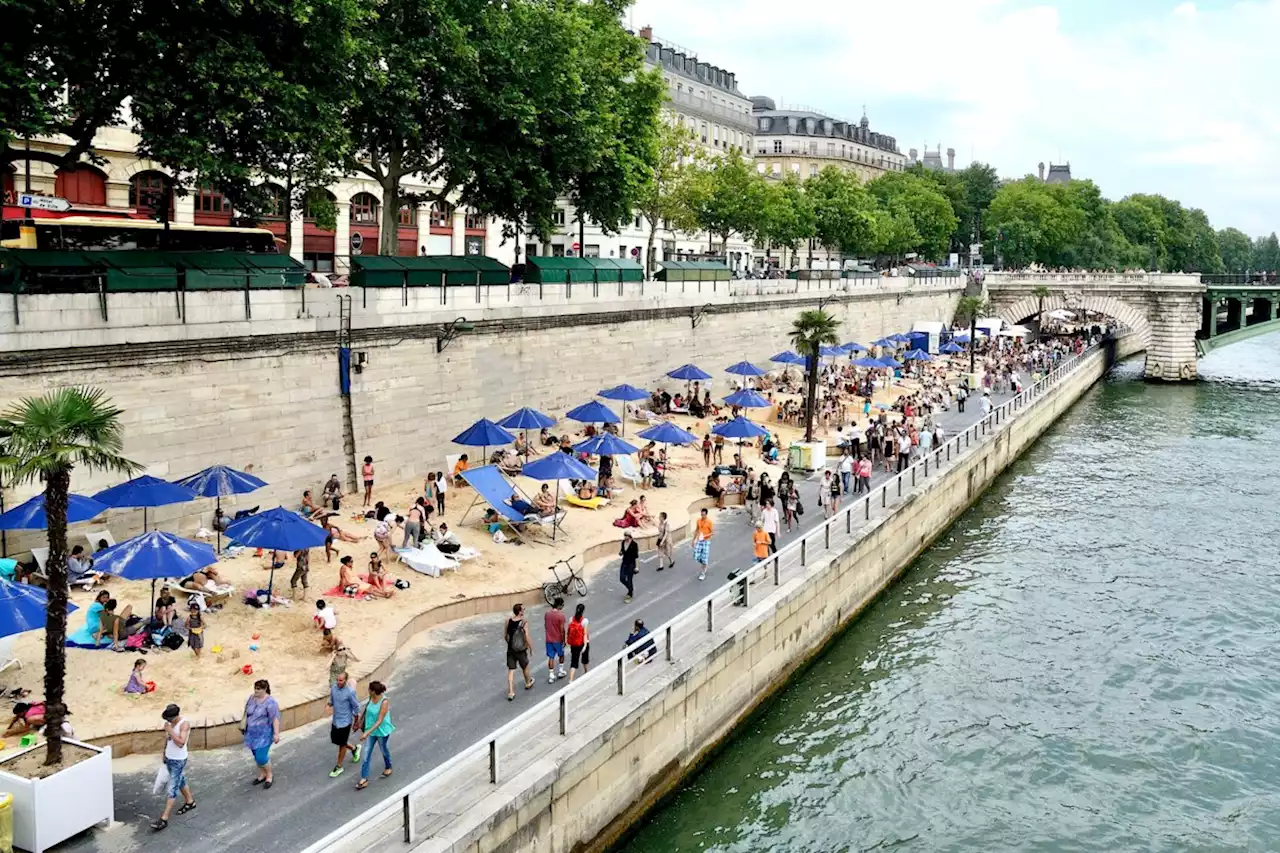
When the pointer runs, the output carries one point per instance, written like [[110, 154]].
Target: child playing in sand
[[136, 684], [195, 629]]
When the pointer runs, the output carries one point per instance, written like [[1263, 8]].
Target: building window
[[795, 168], [275, 207], [813, 149], [441, 215], [558, 216], [637, 223], [704, 133], [81, 184], [145, 191], [777, 146], [475, 221], [409, 214], [831, 149], [209, 200], [364, 209], [777, 168], [813, 170], [308, 211]]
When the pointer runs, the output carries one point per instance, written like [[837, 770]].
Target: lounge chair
[[493, 489], [625, 467], [570, 496], [427, 560], [92, 537]]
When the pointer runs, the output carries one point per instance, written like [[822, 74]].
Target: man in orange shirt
[[761, 541], [702, 544]]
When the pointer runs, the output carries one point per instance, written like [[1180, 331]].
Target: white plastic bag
[[161, 784]]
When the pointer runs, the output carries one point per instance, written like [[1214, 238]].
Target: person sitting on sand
[[545, 502], [586, 490], [379, 584], [309, 508], [524, 447], [509, 463], [348, 583], [166, 608], [337, 532], [27, 717], [447, 542], [113, 627], [80, 571], [135, 683], [646, 517]]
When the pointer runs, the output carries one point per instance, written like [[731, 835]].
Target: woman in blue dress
[[261, 729], [84, 638]]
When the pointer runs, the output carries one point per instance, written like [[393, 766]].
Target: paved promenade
[[445, 696]]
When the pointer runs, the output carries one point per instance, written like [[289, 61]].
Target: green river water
[[1089, 660]]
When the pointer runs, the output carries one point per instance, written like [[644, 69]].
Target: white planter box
[[51, 810]]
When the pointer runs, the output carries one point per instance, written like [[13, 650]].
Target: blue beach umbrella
[[853, 347], [962, 338], [889, 362], [740, 428], [787, 357], [143, 492], [667, 433], [23, 608], [277, 529], [885, 342], [831, 352], [744, 368], [218, 481], [917, 355], [157, 554], [872, 363], [594, 412], [950, 348], [30, 514], [689, 373], [483, 433], [605, 444], [625, 394], [901, 337], [557, 467], [527, 418], [747, 399]]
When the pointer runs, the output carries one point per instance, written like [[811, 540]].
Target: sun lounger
[[494, 489], [625, 467], [94, 536], [569, 496], [427, 560]]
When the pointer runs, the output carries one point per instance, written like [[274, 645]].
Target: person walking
[[553, 625], [770, 524], [666, 551], [760, 543], [630, 554], [986, 403], [752, 498], [377, 729], [301, 573], [702, 544], [176, 731], [962, 394], [826, 488], [579, 636], [864, 473], [344, 707], [846, 473], [516, 638], [261, 729], [790, 503]]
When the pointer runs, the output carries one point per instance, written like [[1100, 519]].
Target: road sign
[[577, 246], [635, 252], [357, 240], [43, 202]]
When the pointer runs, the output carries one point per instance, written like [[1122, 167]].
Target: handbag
[[799, 508], [244, 721], [162, 779]]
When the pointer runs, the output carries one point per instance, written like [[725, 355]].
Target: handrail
[[703, 613]]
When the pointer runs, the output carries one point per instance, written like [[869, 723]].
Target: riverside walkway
[[445, 697]]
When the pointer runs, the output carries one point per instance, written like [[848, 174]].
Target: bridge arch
[[1029, 306]]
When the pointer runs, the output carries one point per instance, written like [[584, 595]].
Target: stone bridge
[[1166, 310]]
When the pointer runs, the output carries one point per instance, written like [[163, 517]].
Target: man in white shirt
[[846, 473], [326, 616], [986, 404], [769, 523]]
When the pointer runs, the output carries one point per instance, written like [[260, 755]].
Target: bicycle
[[558, 587]]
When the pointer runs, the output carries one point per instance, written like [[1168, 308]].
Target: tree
[[970, 308], [42, 439], [1266, 253], [728, 199], [846, 218], [1040, 292], [981, 183], [786, 216], [664, 200], [914, 198], [1029, 221], [810, 332], [1236, 250]]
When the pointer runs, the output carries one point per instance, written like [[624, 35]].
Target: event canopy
[[747, 399], [30, 514], [143, 492], [594, 412], [689, 373]]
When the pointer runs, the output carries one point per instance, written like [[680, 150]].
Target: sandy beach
[[289, 645]]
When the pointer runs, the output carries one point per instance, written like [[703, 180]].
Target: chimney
[[912, 155], [646, 32], [951, 159], [1041, 171]]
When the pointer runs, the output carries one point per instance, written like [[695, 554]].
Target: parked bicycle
[[561, 586]]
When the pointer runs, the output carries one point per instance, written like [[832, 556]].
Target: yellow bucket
[[6, 823]]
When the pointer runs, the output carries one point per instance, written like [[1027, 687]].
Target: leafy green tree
[[910, 196], [1143, 227], [728, 198], [846, 216], [42, 439], [1266, 253], [787, 216], [1030, 221], [664, 200], [1236, 250], [981, 183], [811, 331], [969, 309]]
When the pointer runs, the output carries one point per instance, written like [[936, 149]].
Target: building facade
[[802, 142], [933, 159]]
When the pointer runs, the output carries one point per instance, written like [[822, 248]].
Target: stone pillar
[[459, 232], [342, 239], [1209, 318], [1174, 315], [424, 226], [184, 208]]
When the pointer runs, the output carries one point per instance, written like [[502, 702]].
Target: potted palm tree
[[42, 439], [810, 332], [970, 308]]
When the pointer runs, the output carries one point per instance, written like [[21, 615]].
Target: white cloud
[[1179, 101]]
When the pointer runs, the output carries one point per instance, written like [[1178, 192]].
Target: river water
[[1088, 660]]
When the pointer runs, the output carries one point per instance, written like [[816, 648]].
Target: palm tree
[[1040, 291], [971, 308], [810, 332], [41, 440]]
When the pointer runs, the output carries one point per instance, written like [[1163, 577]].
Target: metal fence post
[[926, 466], [564, 712], [899, 485], [884, 496], [826, 529], [777, 573], [913, 476], [804, 548], [406, 812], [622, 675], [493, 761], [710, 616], [868, 502], [848, 520], [670, 652]]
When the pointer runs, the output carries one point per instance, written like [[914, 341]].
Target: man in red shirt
[[553, 623]]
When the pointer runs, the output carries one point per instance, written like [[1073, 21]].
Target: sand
[[289, 651]]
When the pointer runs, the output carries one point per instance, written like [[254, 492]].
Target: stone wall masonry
[[580, 794], [269, 401]]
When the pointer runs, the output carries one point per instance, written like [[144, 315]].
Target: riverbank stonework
[[262, 394], [619, 764]]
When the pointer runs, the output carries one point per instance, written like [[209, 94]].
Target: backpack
[[172, 641], [515, 640], [577, 634]]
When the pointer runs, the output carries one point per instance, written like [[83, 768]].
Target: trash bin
[[6, 823]]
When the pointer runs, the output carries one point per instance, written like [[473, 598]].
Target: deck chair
[[92, 537], [570, 496], [494, 489], [625, 467]]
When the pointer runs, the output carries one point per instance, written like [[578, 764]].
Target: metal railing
[[487, 762]]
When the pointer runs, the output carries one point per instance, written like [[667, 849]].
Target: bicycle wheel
[[580, 587], [551, 590]]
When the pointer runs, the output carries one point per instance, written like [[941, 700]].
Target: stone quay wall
[[201, 384], [582, 795]]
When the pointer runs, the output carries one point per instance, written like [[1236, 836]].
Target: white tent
[[931, 328], [1014, 332], [990, 325]]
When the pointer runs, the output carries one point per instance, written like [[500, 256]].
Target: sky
[[1173, 97]]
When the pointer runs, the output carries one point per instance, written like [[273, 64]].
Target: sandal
[[511, 697], [528, 685], [362, 784], [386, 773], [186, 807], [159, 824]]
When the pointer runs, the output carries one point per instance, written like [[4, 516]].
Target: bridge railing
[[430, 803], [1247, 278]]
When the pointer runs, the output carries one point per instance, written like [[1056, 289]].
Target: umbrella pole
[[218, 531], [555, 514], [271, 582], [144, 519]]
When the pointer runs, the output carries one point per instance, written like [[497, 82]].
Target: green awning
[[140, 271], [553, 270], [693, 271], [426, 271]]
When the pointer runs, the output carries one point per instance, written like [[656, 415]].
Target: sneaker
[[336, 772], [702, 575], [355, 754], [626, 599], [560, 673], [551, 678]]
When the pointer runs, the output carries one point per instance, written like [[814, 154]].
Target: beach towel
[[83, 639], [427, 560], [337, 592]]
